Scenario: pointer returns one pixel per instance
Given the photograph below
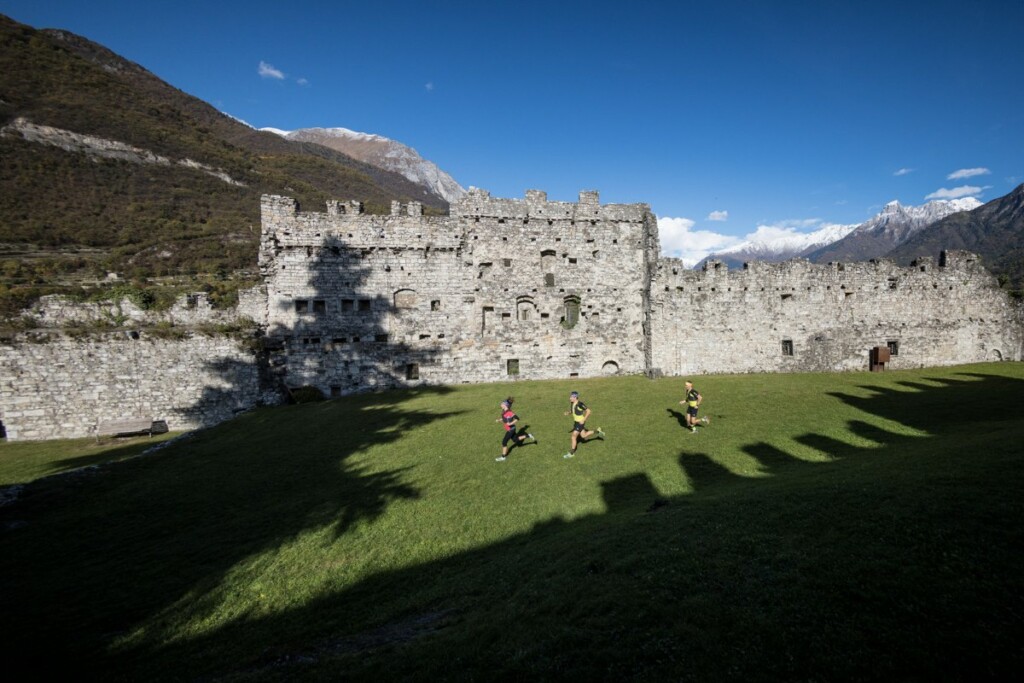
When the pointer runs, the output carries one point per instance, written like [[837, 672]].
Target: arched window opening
[[526, 309]]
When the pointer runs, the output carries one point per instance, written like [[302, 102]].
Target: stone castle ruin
[[501, 289]]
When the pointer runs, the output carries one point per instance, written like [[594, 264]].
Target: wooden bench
[[130, 427]]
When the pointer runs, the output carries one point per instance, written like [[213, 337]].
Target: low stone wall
[[64, 387]]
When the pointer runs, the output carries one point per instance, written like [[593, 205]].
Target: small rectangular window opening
[[512, 367], [894, 348], [787, 347]]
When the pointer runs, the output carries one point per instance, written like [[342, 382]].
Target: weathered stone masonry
[[500, 289], [797, 316]]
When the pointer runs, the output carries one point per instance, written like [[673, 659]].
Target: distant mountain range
[[782, 248], [875, 238], [383, 153], [896, 224], [994, 230]]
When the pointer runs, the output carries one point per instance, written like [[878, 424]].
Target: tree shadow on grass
[[897, 561], [170, 527]]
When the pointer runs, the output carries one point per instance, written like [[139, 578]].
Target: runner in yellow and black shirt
[[692, 402], [580, 412]]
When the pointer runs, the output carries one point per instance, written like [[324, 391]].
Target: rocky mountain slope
[[995, 231], [382, 152], [893, 226]]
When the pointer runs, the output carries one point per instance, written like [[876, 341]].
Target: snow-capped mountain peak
[[874, 238], [779, 244]]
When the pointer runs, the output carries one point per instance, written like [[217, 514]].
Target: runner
[[510, 419], [692, 402], [580, 412]]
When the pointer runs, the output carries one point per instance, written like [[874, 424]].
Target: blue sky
[[724, 116]]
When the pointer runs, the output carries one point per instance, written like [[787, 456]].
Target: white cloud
[[903, 171], [967, 173], [302, 81], [957, 192], [429, 86], [718, 216], [770, 234], [268, 71], [679, 240]]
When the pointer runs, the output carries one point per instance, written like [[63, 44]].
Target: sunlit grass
[[24, 461], [290, 528]]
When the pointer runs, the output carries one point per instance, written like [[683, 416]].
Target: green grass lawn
[[823, 527], [25, 461]]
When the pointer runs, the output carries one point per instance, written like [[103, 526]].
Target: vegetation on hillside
[[69, 218]]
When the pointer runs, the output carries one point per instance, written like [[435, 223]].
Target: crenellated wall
[[797, 316], [500, 289]]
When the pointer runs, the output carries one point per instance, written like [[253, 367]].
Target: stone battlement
[[500, 289]]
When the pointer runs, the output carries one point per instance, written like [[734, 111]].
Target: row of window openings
[[787, 347], [572, 312], [356, 339], [350, 305]]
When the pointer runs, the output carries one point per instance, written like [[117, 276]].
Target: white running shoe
[[501, 458], [568, 455], [705, 420]]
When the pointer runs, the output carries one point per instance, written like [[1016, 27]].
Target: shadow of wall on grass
[[744, 578]]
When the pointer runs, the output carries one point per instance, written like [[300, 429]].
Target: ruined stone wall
[[797, 316], [64, 387], [501, 288], [498, 290]]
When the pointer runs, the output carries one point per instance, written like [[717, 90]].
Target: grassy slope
[[824, 526]]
